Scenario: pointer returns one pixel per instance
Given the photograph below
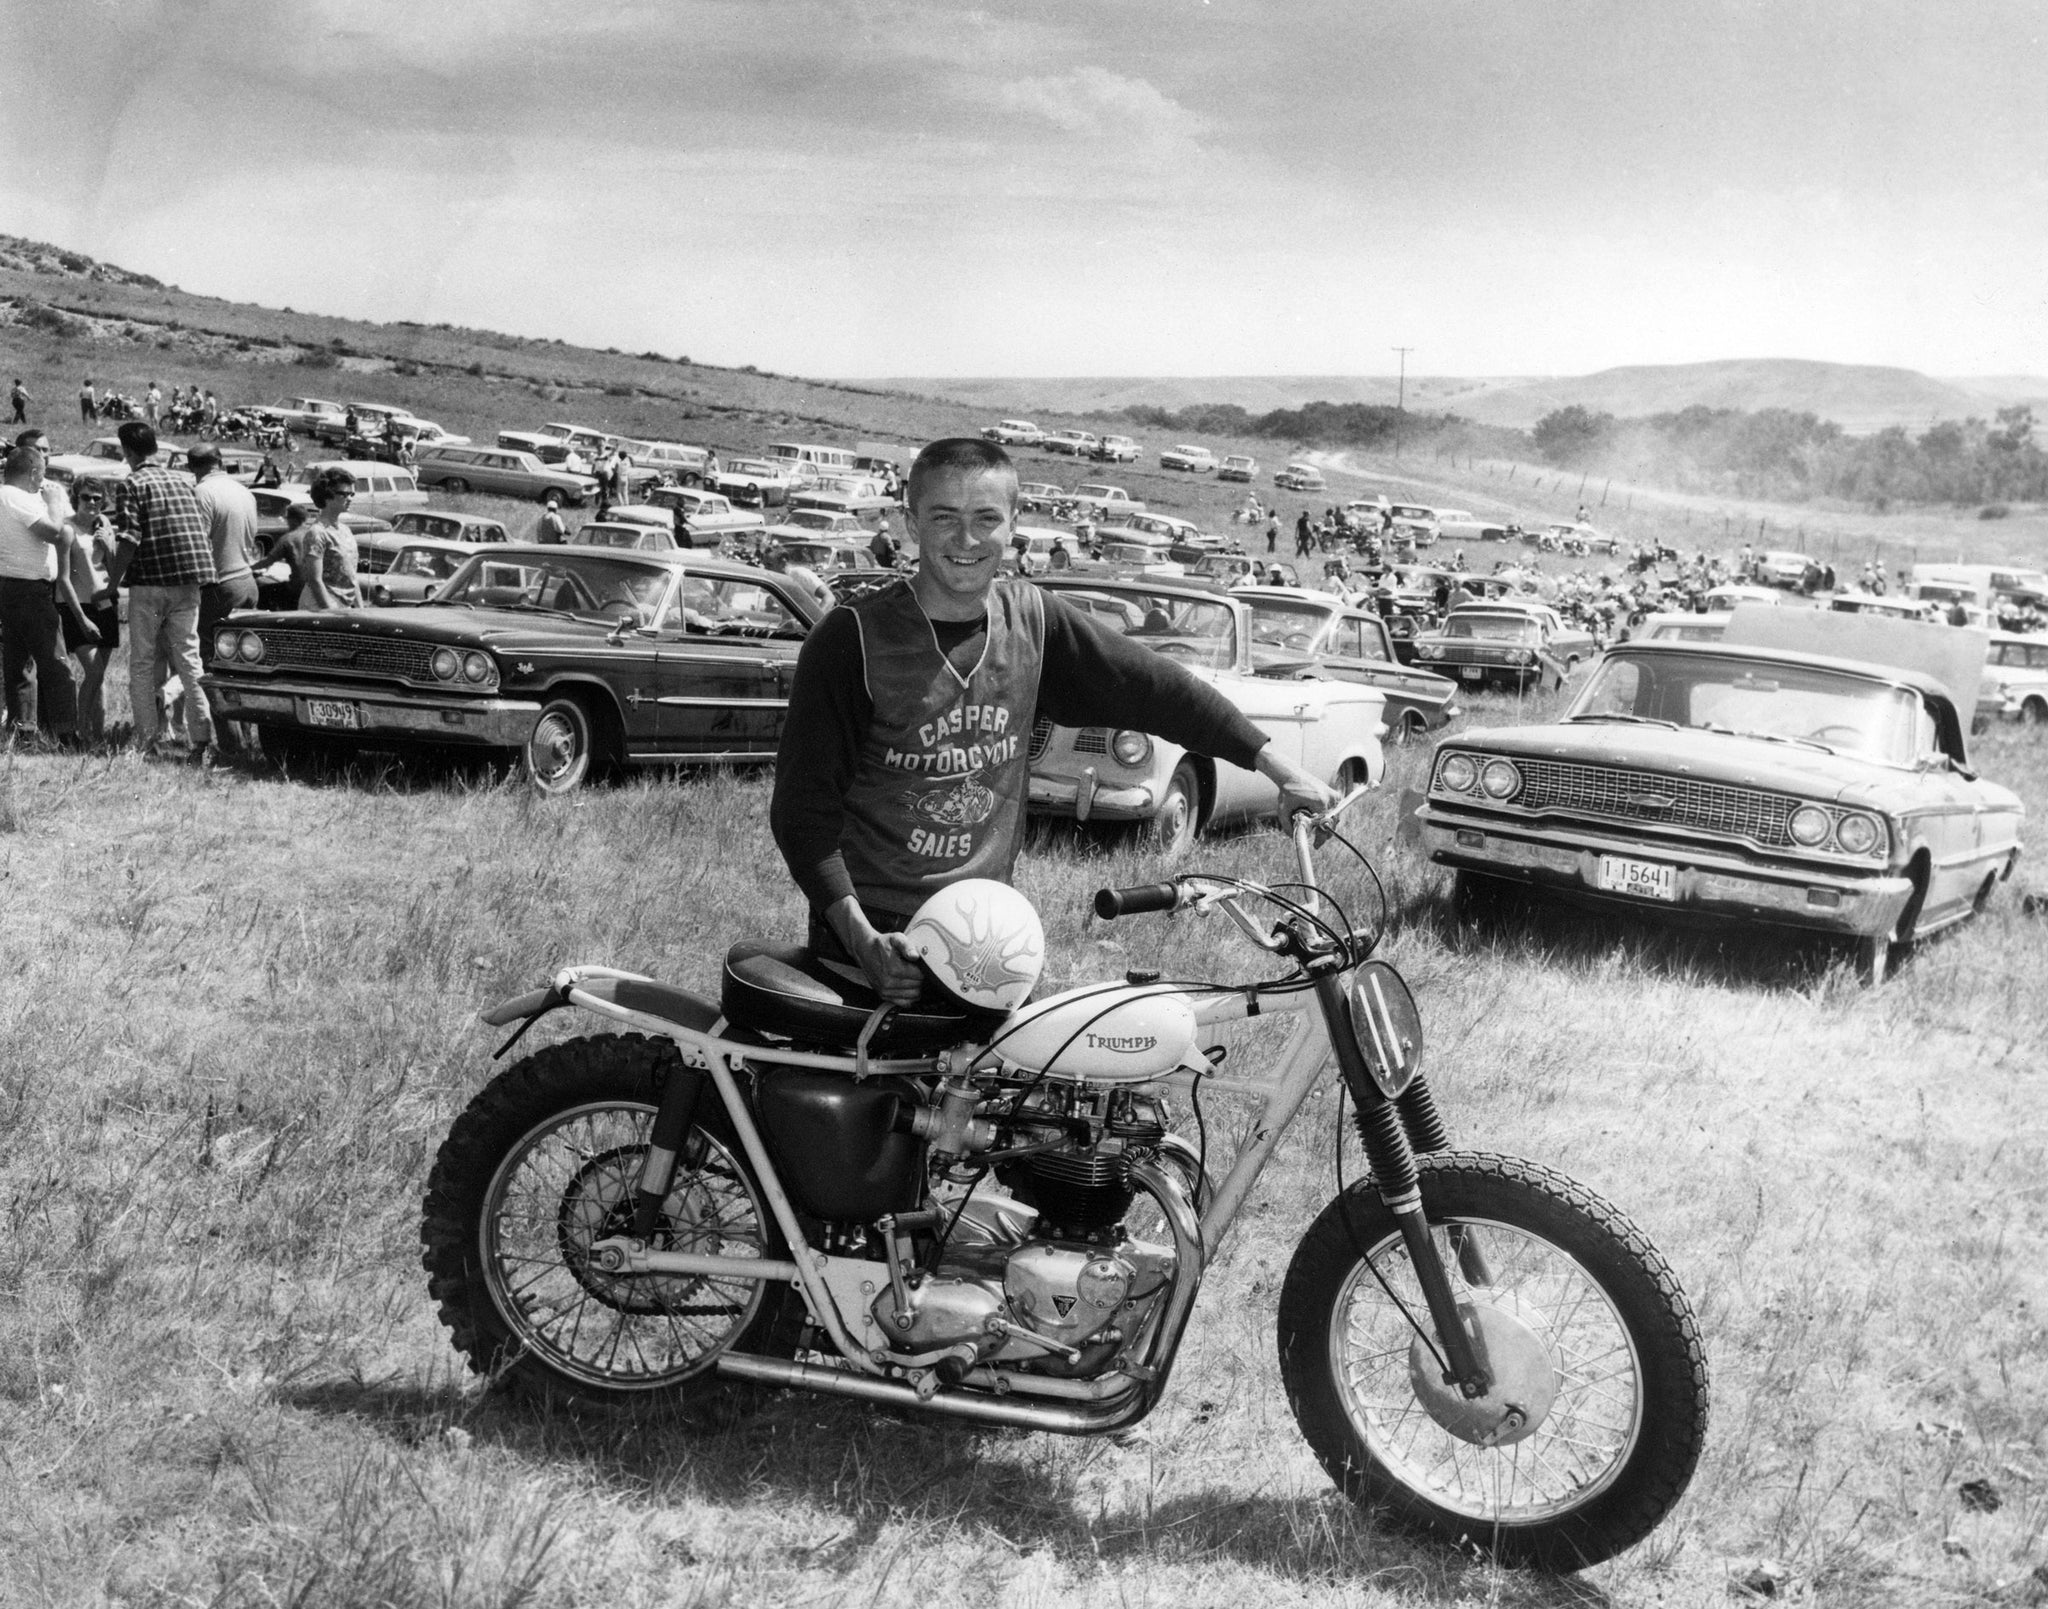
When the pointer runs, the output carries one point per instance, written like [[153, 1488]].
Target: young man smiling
[[905, 755]]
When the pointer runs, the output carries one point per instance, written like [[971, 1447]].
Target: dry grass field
[[240, 1014]]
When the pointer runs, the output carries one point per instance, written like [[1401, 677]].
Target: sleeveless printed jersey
[[938, 790]]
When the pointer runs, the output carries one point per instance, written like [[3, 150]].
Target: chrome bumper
[[504, 723], [1708, 882], [1085, 798]]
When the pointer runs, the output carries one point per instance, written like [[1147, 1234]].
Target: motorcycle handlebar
[[1110, 903]]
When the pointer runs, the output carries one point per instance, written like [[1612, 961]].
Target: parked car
[[1297, 634], [1568, 536], [274, 502], [631, 534], [817, 522], [449, 526], [303, 415], [1754, 785], [1726, 598], [394, 568], [1236, 466], [383, 489], [1069, 443], [1189, 458], [550, 450], [1014, 433], [1039, 543], [391, 420], [1679, 628], [1229, 569], [578, 659], [1092, 500], [709, 517], [1115, 450], [1504, 643], [754, 482], [1039, 497], [670, 460], [502, 470], [1168, 528], [2016, 675], [1301, 478], [1793, 571], [1417, 521], [1330, 728]]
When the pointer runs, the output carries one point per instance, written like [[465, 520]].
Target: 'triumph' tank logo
[[1123, 1044]]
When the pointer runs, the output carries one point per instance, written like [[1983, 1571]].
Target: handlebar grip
[[1110, 903]]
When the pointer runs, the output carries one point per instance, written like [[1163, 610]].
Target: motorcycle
[[796, 1185]]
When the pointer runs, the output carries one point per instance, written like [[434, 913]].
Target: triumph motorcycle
[[995, 1216]]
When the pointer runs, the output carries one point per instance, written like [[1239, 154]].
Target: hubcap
[[553, 747], [1521, 1380]]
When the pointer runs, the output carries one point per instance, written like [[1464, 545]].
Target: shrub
[[48, 319], [476, 370], [619, 388], [1993, 511], [405, 367], [314, 358]]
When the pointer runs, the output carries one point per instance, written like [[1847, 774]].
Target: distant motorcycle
[[982, 1211]]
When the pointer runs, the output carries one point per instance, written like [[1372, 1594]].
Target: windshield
[[1721, 692], [1194, 631], [591, 583], [722, 607], [1285, 625], [1491, 628]]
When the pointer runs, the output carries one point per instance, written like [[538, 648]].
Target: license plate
[[331, 712], [1642, 878], [1472, 673]]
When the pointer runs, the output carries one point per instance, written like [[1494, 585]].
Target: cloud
[[1096, 103]]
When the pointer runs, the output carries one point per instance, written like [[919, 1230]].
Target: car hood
[[1703, 757], [502, 629]]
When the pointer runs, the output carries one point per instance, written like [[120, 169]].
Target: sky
[[1071, 187]]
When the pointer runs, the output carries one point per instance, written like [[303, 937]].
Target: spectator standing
[[152, 405], [327, 548], [19, 398], [622, 477], [88, 403], [165, 558], [230, 509], [882, 548], [209, 411], [32, 534], [91, 539], [1304, 539], [552, 531], [1272, 533]]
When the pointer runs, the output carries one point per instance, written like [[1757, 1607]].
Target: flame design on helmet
[[986, 947]]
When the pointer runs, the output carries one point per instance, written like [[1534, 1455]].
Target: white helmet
[[983, 942]]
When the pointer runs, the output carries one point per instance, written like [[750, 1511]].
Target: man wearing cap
[[904, 762], [552, 531], [230, 510], [165, 554]]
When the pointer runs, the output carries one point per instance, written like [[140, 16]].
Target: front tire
[[455, 483], [564, 748], [1577, 1301], [1179, 816], [542, 1164]]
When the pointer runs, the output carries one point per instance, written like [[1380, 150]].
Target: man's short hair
[[971, 455], [138, 436], [202, 452], [329, 481], [20, 461]]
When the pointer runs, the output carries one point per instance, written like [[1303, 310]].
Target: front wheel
[[564, 748], [1174, 827], [542, 1165], [455, 483], [1598, 1408]]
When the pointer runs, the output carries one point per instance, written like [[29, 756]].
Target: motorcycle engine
[[1052, 1261]]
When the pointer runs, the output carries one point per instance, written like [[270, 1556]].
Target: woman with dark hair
[[327, 548]]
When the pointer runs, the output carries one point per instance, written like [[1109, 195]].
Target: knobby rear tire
[[545, 1161], [1616, 1449]]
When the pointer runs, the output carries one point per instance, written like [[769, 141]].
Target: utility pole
[[1400, 396]]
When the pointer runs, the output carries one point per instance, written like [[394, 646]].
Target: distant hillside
[[1859, 397]]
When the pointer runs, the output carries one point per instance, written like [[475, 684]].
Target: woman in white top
[[327, 548]]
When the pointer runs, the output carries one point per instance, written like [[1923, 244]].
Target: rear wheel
[[544, 1164], [1596, 1412], [455, 483], [2034, 712]]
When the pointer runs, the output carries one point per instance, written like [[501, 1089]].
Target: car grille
[[347, 654], [1041, 735], [1092, 740], [1596, 790]]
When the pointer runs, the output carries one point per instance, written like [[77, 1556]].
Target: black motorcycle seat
[[785, 990]]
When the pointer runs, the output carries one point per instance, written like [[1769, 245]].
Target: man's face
[[962, 525]]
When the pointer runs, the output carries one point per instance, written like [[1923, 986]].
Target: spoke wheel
[[1582, 1320], [541, 1167]]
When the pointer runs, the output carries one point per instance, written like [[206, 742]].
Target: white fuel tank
[[1094, 1035]]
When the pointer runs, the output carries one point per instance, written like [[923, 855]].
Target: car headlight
[[1809, 826], [1500, 780], [1428, 650], [476, 667], [447, 664], [1131, 748], [1859, 834], [1460, 773], [1522, 656], [252, 647], [226, 644]]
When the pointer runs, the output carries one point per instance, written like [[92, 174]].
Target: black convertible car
[[580, 660]]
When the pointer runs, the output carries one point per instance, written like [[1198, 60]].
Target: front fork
[[1394, 1130]]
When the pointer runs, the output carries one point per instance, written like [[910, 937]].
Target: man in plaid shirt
[[166, 556]]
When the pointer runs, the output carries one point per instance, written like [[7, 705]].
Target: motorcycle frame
[[1057, 1404]]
